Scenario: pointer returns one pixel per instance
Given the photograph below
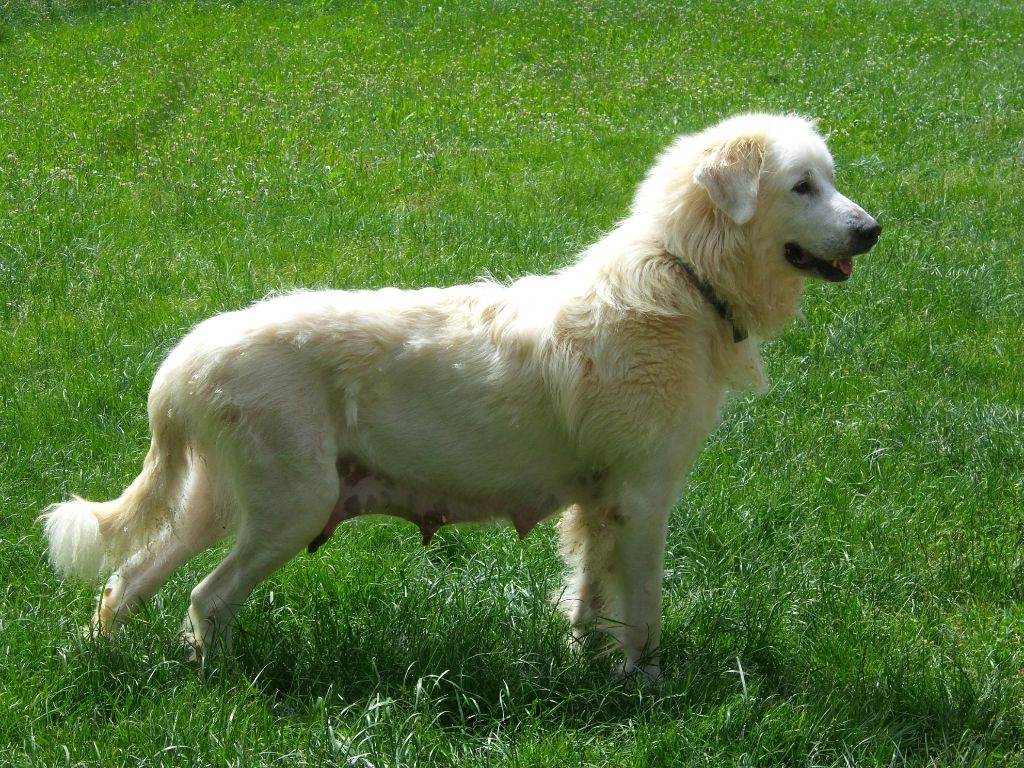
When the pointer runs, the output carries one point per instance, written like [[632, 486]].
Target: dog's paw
[[193, 648], [644, 672], [91, 631], [192, 641], [204, 640]]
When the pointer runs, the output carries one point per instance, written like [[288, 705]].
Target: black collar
[[721, 307]]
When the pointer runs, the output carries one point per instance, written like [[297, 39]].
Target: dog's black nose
[[866, 234]]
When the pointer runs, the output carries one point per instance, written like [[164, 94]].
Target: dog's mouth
[[834, 270]]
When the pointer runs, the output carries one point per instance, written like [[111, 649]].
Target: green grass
[[846, 573]]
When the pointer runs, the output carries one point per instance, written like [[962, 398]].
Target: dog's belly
[[366, 492]]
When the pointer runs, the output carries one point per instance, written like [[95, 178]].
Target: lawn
[[845, 580]]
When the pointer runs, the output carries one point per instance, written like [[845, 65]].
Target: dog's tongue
[[844, 265]]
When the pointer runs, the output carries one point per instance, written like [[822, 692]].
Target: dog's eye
[[803, 187]]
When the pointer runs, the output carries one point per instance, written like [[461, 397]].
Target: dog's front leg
[[615, 552], [635, 570]]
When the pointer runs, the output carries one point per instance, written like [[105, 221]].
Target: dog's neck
[[720, 306]]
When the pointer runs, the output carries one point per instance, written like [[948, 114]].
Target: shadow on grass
[[478, 660], [447, 638]]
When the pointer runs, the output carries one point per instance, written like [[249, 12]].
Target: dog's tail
[[86, 538]]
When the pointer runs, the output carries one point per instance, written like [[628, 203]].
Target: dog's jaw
[[836, 270]]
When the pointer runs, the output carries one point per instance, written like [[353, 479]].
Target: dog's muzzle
[[862, 239]]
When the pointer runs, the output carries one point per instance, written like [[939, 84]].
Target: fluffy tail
[[88, 537]]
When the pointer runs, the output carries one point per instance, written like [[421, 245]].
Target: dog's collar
[[721, 307]]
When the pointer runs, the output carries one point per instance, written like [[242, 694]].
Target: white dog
[[589, 391]]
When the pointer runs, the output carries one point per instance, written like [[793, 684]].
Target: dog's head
[[751, 203], [783, 177]]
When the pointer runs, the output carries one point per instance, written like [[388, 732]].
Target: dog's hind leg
[[281, 509], [199, 524]]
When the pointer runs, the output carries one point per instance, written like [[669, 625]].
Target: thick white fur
[[590, 391]]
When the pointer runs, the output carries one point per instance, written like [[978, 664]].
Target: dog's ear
[[731, 173]]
